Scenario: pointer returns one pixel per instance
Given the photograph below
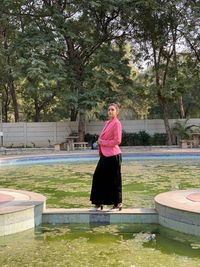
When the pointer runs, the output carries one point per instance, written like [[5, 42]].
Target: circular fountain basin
[[180, 210], [19, 210]]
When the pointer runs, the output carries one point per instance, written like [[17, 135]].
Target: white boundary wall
[[43, 134]]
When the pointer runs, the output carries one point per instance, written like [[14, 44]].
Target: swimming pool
[[66, 182]]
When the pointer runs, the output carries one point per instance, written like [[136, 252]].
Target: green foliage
[[141, 138], [183, 130], [158, 139], [159, 31], [61, 59], [137, 139]]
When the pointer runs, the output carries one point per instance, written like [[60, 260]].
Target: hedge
[[141, 138]]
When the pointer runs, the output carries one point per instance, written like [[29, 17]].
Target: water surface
[[105, 245], [67, 185]]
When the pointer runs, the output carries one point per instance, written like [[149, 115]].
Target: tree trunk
[[81, 126], [161, 99], [5, 104], [163, 105], [73, 114], [37, 110], [168, 129], [181, 106], [14, 100], [10, 79], [5, 112]]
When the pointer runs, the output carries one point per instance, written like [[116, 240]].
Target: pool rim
[[14, 160]]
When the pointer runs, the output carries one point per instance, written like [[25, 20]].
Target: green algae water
[[67, 185], [102, 245]]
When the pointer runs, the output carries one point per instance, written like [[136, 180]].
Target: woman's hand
[[99, 141]]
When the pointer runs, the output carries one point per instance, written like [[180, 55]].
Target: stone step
[[62, 216]]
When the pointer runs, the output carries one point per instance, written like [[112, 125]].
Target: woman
[[107, 182]]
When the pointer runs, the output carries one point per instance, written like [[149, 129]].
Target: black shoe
[[98, 207], [117, 207]]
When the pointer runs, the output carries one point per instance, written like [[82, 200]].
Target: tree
[[81, 28], [157, 32], [8, 33], [186, 86], [40, 74]]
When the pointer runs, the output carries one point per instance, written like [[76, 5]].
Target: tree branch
[[197, 54]]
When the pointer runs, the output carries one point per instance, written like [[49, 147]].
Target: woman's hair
[[116, 105]]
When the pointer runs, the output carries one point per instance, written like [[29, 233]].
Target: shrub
[[141, 138], [136, 139], [158, 139]]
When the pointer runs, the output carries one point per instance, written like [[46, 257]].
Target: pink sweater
[[111, 137]]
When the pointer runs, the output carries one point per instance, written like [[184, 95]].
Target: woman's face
[[112, 112]]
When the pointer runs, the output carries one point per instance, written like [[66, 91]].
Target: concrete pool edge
[[21, 212], [62, 216], [26, 210], [125, 150], [93, 155], [178, 212]]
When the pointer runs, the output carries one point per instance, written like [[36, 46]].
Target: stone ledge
[[106, 211], [62, 216]]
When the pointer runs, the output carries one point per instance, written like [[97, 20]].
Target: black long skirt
[[107, 181]]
